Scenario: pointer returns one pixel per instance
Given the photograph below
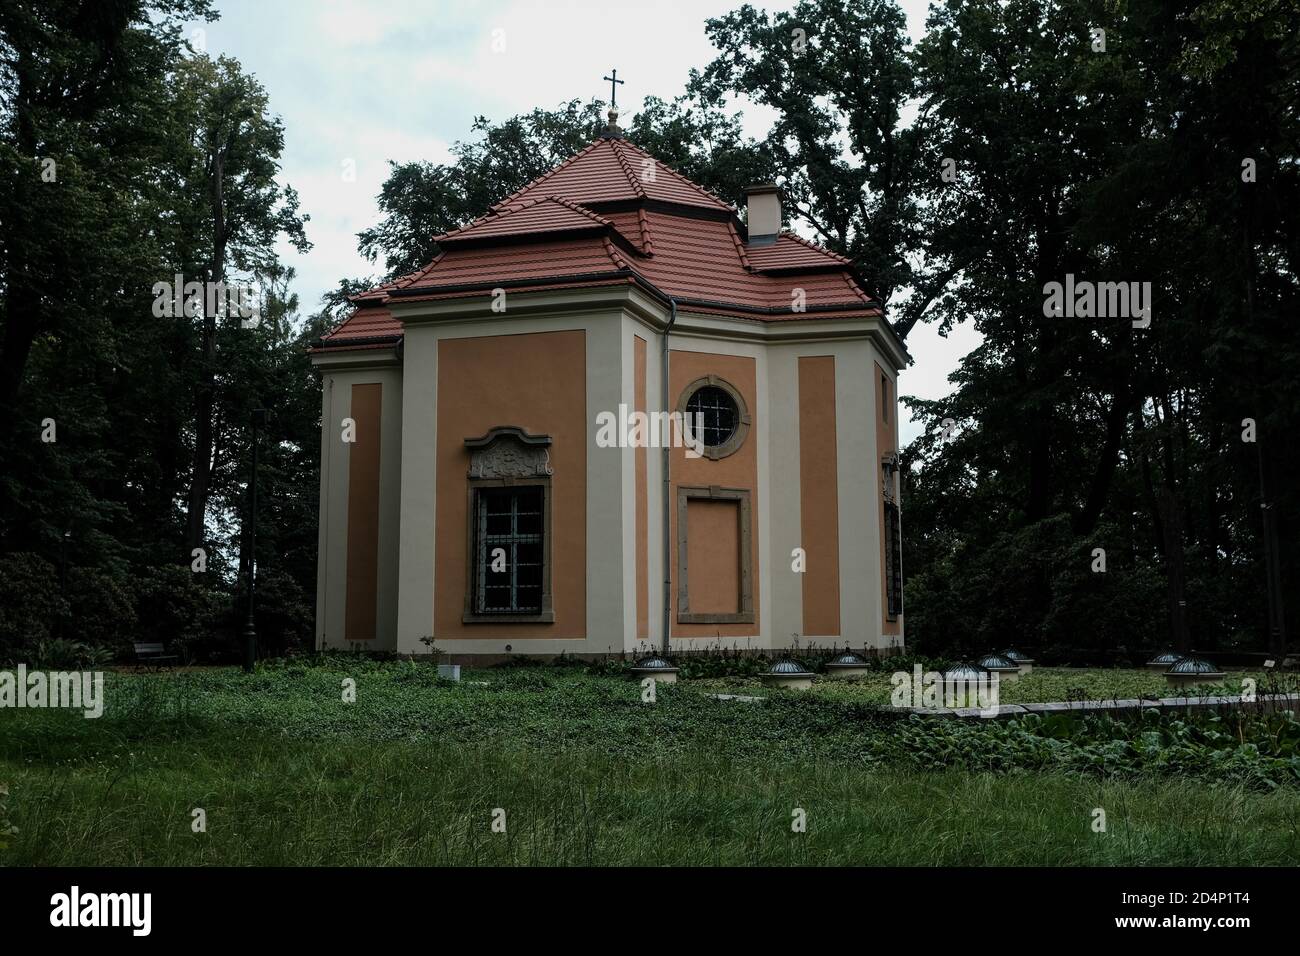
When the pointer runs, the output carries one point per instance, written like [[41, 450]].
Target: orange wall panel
[[536, 381], [819, 512]]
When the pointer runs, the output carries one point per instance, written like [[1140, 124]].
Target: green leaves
[[420, 200], [838, 75]]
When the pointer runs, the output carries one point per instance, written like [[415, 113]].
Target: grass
[[288, 774]]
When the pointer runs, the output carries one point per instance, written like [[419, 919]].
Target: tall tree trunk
[[1214, 536], [1153, 505], [22, 301], [1272, 560], [201, 475], [1038, 442], [22, 308], [1085, 521], [1049, 267]]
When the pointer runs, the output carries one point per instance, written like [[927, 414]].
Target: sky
[[360, 83]]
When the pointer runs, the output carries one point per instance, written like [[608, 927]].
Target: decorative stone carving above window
[[508, 451], [888, 476]]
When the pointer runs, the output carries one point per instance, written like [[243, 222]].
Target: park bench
[[151, 655]]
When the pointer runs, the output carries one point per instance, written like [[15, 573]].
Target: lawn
[[586, 773]]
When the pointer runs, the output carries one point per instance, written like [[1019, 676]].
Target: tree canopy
[[1014, 145]]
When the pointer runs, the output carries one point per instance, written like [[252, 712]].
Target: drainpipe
[[667, 452]]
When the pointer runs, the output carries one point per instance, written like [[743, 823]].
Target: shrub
[[31, 603], [103, 609], [174, 607], [7, 829], [61, 654], [284, 613]]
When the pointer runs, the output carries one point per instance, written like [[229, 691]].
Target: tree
[[148, 144], [236, 143], [838, 74], [420, 200], [79, 94], [1122, 163]]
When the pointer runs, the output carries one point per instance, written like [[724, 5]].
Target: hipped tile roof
[[612, 214]]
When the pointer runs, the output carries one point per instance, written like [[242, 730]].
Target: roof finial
[[614, 83], [611, 129]]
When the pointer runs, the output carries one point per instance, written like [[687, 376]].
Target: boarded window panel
[[713, 556]]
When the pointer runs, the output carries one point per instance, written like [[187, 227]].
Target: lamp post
[[250, 541], [63, 574], [1272, 562]]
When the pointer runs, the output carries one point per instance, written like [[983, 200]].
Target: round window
[[716, 409]]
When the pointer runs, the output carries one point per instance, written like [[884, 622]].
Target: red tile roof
[[369, 322], [791, 252], [612, 214], [613, 169], [493, 264], [528, 217]]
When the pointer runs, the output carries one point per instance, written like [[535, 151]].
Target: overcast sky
[[367, 82]]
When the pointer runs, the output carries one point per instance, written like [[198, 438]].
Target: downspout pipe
[[668, 491]]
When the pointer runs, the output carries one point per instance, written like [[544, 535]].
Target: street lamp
[[63, 574], [1272, 562], [250, 540]]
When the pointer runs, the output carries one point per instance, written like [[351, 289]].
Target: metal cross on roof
[[613, 87]]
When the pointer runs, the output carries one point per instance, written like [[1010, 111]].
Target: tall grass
[[272, 802]]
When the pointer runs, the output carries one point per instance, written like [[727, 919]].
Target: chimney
[[763, 205]]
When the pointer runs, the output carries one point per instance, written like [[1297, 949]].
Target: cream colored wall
[[685, 339], [777, 506], [415, 580], [610, 518], [331, 576], [328, 510], [858, 481], [859, 494], [611, 493], [857, 490], [878, 363], [610, 322], [634, 325], [627, 479]]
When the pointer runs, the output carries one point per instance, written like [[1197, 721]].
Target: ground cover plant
[[1042, 685], [586, 772]]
